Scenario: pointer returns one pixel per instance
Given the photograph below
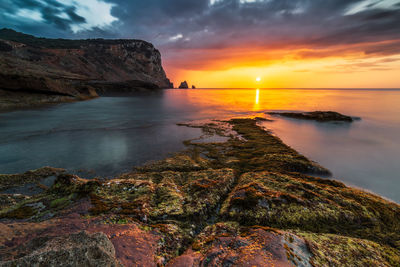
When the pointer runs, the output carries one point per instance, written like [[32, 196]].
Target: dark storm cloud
[[56, 18], [180, 24], [184, 25]]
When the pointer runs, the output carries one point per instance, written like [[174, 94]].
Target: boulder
[[80, 249]]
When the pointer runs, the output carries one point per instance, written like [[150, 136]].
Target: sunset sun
[[258, 79]]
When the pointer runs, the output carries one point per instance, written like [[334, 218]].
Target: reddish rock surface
[[133, 246], [253, 247]]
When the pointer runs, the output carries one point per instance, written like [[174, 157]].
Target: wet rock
[[180, 163], [165, 194], [336, 250], [34, 176], [320, 116], [9, 200], [81, 249], [269, 211], [310, 204]]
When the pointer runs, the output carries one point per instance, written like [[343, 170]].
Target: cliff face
[[77, 68]]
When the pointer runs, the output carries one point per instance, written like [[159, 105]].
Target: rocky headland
[[250, 200], [40, 70]]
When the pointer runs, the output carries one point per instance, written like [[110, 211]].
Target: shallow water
[[109, 135]]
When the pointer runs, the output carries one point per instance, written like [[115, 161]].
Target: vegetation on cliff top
[[59, 43]]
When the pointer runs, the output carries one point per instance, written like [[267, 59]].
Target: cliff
[[77, 68]]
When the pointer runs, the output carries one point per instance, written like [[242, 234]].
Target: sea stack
[[193, 87], [184, 85]]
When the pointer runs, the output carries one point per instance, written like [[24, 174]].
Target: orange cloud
[[351, 65]]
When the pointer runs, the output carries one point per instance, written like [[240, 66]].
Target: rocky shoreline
[[247, 201]]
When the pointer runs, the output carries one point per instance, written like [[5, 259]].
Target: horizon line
[[293, 88]]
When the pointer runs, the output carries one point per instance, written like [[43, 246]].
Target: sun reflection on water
[[257, 100]]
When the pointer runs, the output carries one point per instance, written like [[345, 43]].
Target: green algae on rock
[[301, 202], [168, 194], [336, 250], [254, 149], [246, 201], [34, 176]]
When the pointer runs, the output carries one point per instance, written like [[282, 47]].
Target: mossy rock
[[59, 202], [33, 176], [336, 250], [20, 212], [166, 194], [300, 202]]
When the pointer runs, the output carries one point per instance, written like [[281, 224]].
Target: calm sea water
[[110, 135]]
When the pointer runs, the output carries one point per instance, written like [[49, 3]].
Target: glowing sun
[[258, 79]]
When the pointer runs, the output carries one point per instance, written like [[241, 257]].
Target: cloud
[[195, 34], [55, 17]]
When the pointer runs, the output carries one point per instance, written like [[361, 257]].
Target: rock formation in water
[[320, 116], [247, 201], [184, 85], [35, 69], [193, 87]]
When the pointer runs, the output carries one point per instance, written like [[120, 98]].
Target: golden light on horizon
[[295, 72]]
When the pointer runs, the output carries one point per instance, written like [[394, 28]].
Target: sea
[[107, 136]]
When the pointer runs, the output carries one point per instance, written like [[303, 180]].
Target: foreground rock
[[246, 201], [320, 116], [81, 249], [39, 70]]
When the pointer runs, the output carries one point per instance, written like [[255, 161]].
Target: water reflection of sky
[[107, 136]]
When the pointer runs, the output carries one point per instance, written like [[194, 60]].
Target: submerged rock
[[320, 116]]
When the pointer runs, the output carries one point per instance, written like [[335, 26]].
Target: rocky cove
[[248, 200]]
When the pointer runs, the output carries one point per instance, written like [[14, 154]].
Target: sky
[[231, 43]]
